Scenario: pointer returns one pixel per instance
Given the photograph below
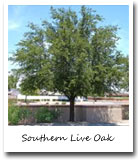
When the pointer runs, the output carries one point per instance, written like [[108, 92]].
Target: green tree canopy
[[12, 80], [72, 55]]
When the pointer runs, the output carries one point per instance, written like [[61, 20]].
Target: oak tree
[[73, 55]]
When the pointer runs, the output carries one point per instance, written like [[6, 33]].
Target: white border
[[69, 2], [123, 134]]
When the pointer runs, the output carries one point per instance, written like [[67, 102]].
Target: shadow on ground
[[78, 124], [83, 124]]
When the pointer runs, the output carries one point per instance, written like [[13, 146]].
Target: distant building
[[49, 93]]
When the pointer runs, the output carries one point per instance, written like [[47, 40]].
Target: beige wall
[[95, 113], [91, 113]]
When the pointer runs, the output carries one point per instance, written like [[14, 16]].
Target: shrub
[[125, 113], [63, 102], [24, 113], [43, 115], [16, 114]]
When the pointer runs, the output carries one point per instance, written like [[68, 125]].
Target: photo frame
[[68, 138]]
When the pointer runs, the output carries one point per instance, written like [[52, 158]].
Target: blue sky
[[20, 15]]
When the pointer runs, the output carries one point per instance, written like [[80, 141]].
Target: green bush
[[43, 115], [16, 114], [24, 113], [63, 102]]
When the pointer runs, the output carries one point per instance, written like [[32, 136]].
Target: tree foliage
[[12, 81], [72, 55]]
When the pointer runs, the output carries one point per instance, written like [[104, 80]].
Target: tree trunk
[[72, 109]]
